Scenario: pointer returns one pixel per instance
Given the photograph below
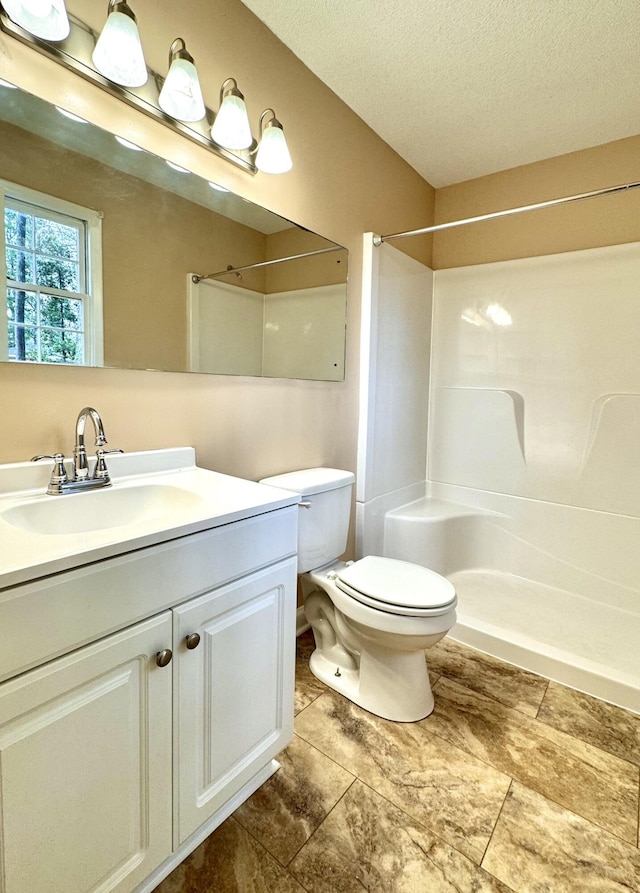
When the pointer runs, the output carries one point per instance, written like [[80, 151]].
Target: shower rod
[[265, 263], [609, 190]]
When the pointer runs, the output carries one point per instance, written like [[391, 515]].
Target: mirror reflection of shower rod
[[265, 263], [609, 190]]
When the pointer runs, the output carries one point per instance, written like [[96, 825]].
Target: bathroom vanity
[[146, 667]]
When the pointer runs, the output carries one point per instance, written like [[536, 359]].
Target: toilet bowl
[[372, 619]]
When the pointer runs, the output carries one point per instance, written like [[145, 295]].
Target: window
[[52, 257]]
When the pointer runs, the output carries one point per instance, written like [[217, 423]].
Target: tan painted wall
[[323, 269], [592, 223], [345, 181]]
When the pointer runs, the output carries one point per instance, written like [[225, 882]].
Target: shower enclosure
[[499, 445]]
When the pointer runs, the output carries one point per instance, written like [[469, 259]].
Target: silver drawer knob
[[192, 641], [163, 658]]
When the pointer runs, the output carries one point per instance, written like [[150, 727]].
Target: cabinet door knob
[[163, 658], [192, 641]]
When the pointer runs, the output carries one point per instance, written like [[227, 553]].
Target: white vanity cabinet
[[113, 767]]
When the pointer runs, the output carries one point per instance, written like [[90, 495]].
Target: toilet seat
[[396, 587]]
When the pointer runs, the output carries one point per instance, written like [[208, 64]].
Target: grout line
[[547, 725], [312, 701], [339, 800], [495, 825], [546, 689], [531, 783], [269, 855]]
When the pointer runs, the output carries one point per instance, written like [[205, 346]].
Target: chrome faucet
[[80, 465], [60, 482]]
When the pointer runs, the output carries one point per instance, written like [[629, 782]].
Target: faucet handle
[[101, 472], [59, 473]]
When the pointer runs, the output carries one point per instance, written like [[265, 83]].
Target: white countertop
[[211, 500]]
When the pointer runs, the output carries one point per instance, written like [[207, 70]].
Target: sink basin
[[99, 509], [155, 496]]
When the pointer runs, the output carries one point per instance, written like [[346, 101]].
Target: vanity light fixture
[[181, 96], [231, 128], [273, 156], [115, 63], [46, 19], [118, 53]]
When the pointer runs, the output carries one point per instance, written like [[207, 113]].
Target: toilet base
[[390, 684]]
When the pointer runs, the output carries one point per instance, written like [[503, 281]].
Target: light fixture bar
[[494, 215], [265, 263], [75, 52]]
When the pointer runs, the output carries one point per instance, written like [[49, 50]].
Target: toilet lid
[[398, 584]]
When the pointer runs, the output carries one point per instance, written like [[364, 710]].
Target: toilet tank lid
[[311, 480]]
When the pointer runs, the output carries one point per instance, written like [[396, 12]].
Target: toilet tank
[[323, 524]]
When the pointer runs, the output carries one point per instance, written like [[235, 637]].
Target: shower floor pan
[[558, 634]]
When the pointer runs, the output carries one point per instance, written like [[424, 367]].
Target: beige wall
[[592, 223], [324, 269], [144, 266], [345, 181]]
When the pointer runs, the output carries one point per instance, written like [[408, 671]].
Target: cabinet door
[[233, 693], [85, 767]]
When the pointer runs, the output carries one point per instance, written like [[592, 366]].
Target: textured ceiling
[[463, 88]]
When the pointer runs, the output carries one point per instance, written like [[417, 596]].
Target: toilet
[[372, 619]]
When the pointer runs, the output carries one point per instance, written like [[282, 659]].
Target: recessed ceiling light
[[177, 167], [217, 188], [7, 84]]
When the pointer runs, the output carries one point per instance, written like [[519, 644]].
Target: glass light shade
[[118, 52], [181, 96], [231, 129], [46, 19], [273, 155]]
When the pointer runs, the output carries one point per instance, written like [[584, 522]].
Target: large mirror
[[104, 246]]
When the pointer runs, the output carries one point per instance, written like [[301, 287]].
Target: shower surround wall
[[532, 500], [394, 379]]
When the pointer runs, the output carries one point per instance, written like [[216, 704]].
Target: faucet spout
[[79, 451]]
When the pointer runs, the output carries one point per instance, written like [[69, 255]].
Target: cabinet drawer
[[49, 617]]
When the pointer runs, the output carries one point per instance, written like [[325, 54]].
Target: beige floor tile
[[439, 785], [287, 809], [366, 843], [308, 688], [503, 682], [585, 779], [229, 861], [603, 725], [539, 847]]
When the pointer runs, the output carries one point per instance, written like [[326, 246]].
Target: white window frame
[[90, 261]]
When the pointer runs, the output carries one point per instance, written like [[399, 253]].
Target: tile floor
[[514, 783]]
